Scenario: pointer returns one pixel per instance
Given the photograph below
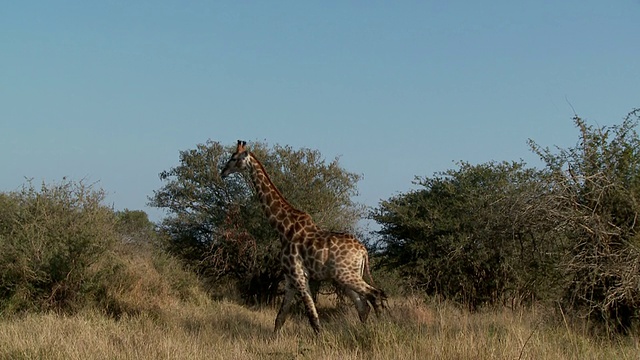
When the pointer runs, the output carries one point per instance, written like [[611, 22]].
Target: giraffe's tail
[[379, 294], [367, 270]]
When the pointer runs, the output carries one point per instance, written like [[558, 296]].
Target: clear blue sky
[[111, 91]]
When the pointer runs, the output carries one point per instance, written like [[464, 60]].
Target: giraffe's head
[[238, 161]]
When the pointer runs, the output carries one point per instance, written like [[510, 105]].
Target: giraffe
[[308, 252]]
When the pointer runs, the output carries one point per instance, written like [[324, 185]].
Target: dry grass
[[224, 330]]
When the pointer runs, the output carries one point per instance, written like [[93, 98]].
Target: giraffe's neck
[[282, 216]]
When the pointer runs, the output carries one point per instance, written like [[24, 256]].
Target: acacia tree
[[596, 187], [218, 226]]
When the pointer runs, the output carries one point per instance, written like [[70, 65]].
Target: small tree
[[218, 226], [596, 189]]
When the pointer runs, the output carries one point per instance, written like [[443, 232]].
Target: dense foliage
[[218, 226], [475, 235]]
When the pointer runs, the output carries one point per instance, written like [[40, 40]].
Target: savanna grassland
[[412, 329]]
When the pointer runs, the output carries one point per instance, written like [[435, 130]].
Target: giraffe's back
[[326, 255]]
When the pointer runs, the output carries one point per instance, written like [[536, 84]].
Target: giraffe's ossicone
[[308, 252]]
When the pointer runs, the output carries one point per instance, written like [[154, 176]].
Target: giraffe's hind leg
[[366, 293], [362, 293], [376, 298], [361, 304]]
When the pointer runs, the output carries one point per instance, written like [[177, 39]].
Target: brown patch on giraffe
[[297, 227], [274, 208]]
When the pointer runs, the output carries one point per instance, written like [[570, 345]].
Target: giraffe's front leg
[[287, 301], [302, 286], [299, 280]]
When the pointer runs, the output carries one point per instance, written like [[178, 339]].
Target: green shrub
[[476, 235], [49, 239]]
